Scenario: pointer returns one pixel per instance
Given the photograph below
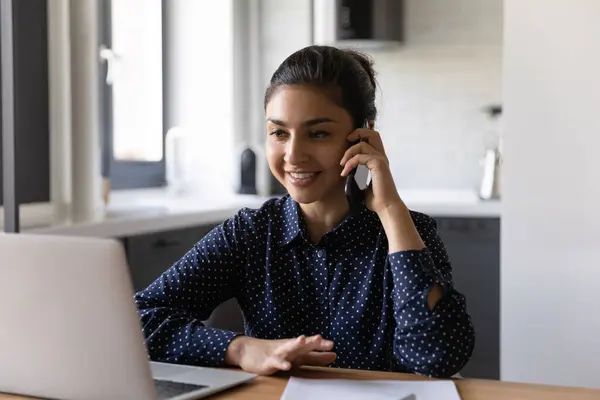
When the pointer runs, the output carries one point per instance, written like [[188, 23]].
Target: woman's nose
[[296, 151]]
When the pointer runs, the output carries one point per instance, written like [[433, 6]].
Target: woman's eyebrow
[[310, 122]]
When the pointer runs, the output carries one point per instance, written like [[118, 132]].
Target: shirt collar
[[292, 224], [293, 227]]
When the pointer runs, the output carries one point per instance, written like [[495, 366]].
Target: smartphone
[[357, 182]]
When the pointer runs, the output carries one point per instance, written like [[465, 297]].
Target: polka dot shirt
[[347, 288]]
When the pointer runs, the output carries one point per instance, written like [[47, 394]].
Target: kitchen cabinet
[[473, 245], [151, 254]]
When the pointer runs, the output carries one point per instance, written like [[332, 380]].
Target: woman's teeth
[[302, 175]]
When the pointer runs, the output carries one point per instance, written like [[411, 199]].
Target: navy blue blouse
[[347, 288]]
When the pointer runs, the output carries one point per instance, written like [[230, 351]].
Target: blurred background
[[144, 121]]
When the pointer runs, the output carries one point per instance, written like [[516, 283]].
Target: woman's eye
[[319, 134], [277, 132]]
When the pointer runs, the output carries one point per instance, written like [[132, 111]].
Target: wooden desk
[[272, 387]]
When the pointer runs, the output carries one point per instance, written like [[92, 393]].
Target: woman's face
[[306, 141]]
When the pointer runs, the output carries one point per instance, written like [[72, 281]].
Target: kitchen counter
[[152, 210]]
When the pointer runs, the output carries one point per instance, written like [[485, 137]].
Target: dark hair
[[345, 74]]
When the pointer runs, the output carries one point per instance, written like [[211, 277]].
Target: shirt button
[[321, 253]]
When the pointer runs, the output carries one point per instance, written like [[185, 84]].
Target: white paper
[[347, 389]]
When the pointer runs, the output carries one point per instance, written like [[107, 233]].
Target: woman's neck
[[324, 215]]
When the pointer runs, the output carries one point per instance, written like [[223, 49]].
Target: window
[[132, 87]]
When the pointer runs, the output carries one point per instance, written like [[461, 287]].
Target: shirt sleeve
[[173, 307], [436, 342]]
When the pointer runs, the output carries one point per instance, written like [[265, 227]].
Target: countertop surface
[[151, 210]]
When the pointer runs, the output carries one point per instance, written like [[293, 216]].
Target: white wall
[[430, 103], [285, 28], [551, 216], [432, 88]]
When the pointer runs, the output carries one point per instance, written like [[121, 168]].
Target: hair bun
[[366, 62]]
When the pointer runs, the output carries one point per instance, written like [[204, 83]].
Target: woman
[[317, 284]]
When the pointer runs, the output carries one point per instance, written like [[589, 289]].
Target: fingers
[[325, 345], [291, 346], [281, 364], [359, 148], [313, 350], [303, 345], [371, 136], [372, 162], [317, 342], [315, 358], [265, 357], [270, 365]]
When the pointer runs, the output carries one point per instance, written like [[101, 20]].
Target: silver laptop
[[69, 328]]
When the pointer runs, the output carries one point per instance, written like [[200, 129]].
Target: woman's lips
[[301, 179]]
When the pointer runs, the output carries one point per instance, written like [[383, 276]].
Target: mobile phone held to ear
[[357, 182]]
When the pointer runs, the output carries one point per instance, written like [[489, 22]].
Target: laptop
[[70, 329]]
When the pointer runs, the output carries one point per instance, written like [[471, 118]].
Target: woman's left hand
[[370, 152]]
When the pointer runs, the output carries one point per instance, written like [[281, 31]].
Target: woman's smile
[[302, 179]]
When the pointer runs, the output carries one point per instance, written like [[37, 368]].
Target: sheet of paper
[[329, 389]]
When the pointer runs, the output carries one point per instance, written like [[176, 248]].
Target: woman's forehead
[[301, 102]]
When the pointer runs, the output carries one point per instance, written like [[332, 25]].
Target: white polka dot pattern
[[347, 287]]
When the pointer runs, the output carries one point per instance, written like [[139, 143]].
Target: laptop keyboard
[[168, 389]]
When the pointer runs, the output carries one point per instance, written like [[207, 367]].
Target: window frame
[[129, 174]]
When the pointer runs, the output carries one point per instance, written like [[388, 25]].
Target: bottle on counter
[[178, 160]]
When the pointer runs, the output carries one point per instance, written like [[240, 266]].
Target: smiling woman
[[306, 141], [317, 284], [315, 99]]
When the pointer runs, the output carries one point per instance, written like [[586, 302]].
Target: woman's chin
[[312, 195], [304, 196]]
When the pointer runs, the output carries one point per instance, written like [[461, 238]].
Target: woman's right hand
[[265, 357]]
